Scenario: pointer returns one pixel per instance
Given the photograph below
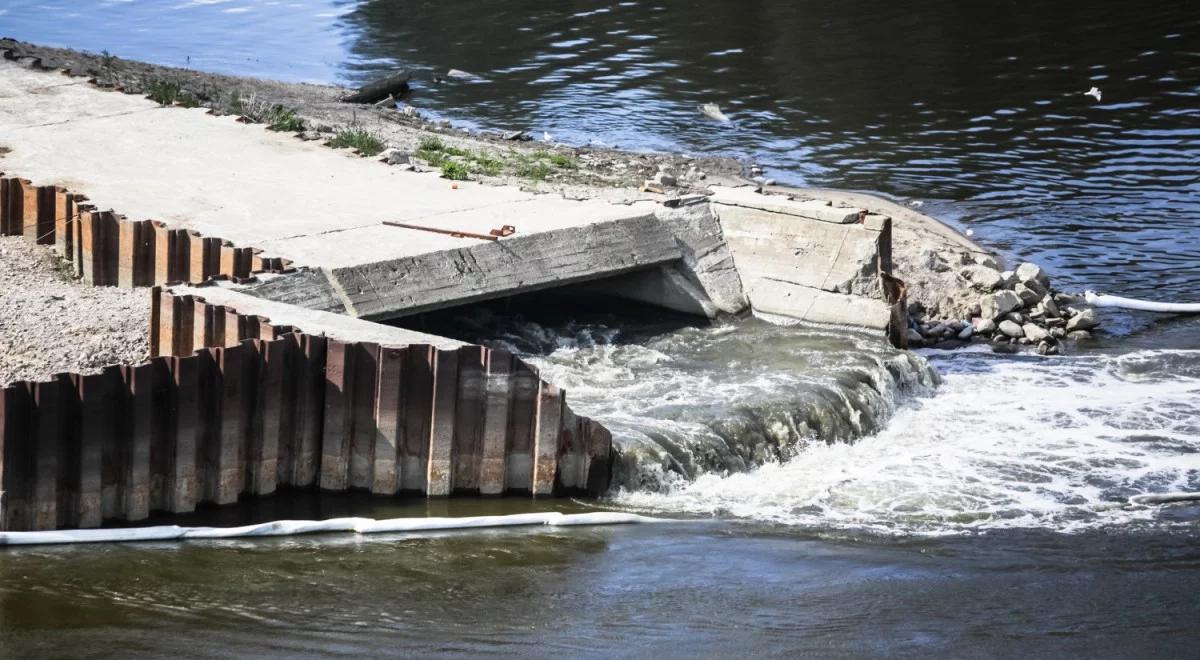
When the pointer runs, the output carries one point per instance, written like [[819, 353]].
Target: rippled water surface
[[988, 517]]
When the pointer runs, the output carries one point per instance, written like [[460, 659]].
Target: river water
[[836, 501]]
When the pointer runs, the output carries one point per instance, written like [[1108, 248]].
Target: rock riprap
[[1017, 309]]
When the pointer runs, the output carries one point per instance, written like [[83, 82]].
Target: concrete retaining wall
[[107, 249], [811, 261], [232, 405]]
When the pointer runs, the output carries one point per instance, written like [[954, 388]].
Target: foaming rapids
[[1006, 443], [684, 402]]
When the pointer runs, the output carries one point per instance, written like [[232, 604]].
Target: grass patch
[[457, 163], [563, 161], [452, 169], [285, 119], [167, 92], [361, 140], [534, 169]]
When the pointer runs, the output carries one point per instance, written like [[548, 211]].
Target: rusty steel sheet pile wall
[[231, 405], [107, 249]]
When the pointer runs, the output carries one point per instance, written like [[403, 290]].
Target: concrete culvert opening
[[685, 395]]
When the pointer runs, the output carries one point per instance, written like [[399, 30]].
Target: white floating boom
[[294, 527], [1100, 300]]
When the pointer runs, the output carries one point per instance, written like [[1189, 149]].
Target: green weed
[[361, 140], [452, 169], [167, 92], [284, 119]]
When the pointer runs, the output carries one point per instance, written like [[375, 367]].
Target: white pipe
[[1100, 300], [294, 527], [1163, 498]]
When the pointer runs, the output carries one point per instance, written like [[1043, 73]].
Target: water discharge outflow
[[1053, 444]]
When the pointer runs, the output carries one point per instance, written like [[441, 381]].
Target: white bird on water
[[1093, 92]]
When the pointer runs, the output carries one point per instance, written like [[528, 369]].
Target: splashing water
[[1006, 443]]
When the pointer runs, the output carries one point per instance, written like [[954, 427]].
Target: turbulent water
[[685, 401], [1056, 444]]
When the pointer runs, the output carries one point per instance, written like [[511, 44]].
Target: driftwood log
[[395, 84]]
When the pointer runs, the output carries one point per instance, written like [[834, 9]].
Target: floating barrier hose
[[1164, 498], [1101, 300], [296, 527]]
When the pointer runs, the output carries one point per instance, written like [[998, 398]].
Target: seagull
[[1093, 92], [546, 137]]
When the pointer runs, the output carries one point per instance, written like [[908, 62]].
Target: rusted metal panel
[[362, 424], [90, 245], [389, 421], [169, 309], [43, 229], [17, 462], [235, 405], [284, 352], [495, 425], [418, 417], [164, 252], [549, 425], [441, 437], [4, 214], [309, 422], [600, 458], [339, 413], [270, 426], [181, 488], [108, 239], [469, 418], [156, 303], [522, 424], [141, 415], [162, 437], [100, 456], [127, 248], [29, 211], [64, 210], [226, 259], [202, 324], [570, 453], [47, 428], [197, 258]]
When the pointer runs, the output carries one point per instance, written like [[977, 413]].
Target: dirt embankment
[[51, 323]]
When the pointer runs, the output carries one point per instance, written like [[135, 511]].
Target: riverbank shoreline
[[935, 262]]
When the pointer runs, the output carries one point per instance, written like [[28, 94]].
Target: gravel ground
[[51, 323]]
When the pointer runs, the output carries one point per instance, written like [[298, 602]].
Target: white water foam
[[1005, 443]]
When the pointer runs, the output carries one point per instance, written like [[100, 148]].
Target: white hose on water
[[1164, 498], [295, 527], [1100, 300]]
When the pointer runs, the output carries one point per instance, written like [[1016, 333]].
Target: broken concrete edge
[[232, 404], [876, 203], [105, 248], [813, 261]]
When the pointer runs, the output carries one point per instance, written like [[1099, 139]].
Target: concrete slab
[[335, 326], [297, 200]]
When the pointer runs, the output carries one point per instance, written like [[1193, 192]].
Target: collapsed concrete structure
[[304, 235]]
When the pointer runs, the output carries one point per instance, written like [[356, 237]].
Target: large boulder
[[982, 277], [1028, 272], [1010, 329], [1029, 295], [984, 326], [1034, 332], [995, 305], [1084, 320]]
